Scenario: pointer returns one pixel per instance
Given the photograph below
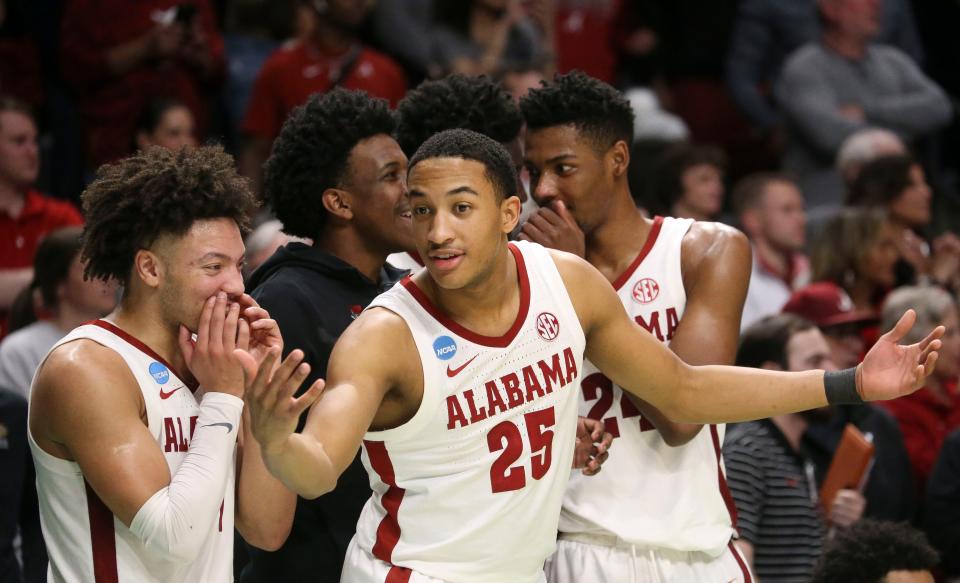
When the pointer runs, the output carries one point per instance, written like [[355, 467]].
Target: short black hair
[[457, 101], [870, 549], [596, 109], [767, 339], [470, 145], [312, 154], [157, 192], [881, 181]]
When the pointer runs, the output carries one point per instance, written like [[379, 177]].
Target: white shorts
[[601, 560]]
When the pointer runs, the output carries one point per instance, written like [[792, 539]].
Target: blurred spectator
[[781, 528], [261, 244], [66, 300], [20, 66], [863, 147], [927, 416], [158, 48], [898, 184], [519, 81], [877, 552], [769, 208], [25, 214], [331, 56], [857, 250], [405, 29], [767, 31], [167, 123], [483, 37], [591, 35], [841, 83], [942, 505], [689, 182], [828, 305], [18, 497]]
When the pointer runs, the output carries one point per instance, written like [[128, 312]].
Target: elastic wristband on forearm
[[841, 387]]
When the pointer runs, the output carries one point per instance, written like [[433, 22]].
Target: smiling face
[[460, 222]]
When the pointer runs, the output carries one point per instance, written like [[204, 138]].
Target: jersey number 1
[[504, 476]]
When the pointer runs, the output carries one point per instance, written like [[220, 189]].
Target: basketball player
[[461, 385], [685, 282], [133, 424]]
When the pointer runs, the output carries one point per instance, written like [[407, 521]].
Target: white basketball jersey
[[85, 541], [649, 493], [469, 489]]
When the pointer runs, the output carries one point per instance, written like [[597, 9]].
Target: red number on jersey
[[598, 387], [504, 477]]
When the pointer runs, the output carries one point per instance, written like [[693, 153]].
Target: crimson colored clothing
[[586, 38], [925, 420], [20, 70], [296, 71], [111, 104], [20, 236]]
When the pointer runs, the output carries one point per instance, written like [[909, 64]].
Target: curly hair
[[157, 192], [673, 164], [870, 549], [596, 109], [457, 101], [312, 154], [470, 145]]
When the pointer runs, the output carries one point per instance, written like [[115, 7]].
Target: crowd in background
[[825, 130]]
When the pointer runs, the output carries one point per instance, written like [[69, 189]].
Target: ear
[[618, 159], [509, 213], [770, 365], [338, 203], [148, 266]]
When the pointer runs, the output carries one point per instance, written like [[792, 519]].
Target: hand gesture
[[593, 446], [210, 358], [555, 227], [847, 508], [274, 412], [891, 370], [258, 332]]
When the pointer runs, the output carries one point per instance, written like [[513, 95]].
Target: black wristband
[[841, 387]]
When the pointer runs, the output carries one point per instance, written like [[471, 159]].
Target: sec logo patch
[[646, 291], [548, 327]]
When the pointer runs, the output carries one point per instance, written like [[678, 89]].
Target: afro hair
[[870, 549]]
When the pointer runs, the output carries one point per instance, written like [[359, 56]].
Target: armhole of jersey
[[553, 272]]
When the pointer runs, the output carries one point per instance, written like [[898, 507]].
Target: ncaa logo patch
[[548, 327], [159, 373], [646, 291], [444, 347]]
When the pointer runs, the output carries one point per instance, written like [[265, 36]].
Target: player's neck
[[614, 244], [144, 322], [793, 427], [349, 246]]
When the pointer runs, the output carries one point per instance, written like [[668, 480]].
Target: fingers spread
[[903, 326], [308, 398]]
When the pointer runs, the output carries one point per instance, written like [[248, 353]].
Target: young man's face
[[377, 171], [564, 166], [19, 155], [782, 216], [808, 350], [459, 225], [205, 261]]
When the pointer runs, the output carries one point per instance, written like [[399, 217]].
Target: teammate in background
[[461, 385], [134, 425], [683, 281]]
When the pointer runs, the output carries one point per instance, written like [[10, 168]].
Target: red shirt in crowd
[[111, 104], [296, 71], [586, 38], [925, 420], [20, 236]]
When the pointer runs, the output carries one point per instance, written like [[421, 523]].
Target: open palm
[[891, 370]]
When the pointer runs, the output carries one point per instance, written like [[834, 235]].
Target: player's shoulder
[[82, 369], [706, 240], [378, 327]]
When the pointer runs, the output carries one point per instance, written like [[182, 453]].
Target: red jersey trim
[[416, 257], [388, 532], [102, 539], [126, 337], [721, 479], [747, 578], [491, 341], [647, 246]]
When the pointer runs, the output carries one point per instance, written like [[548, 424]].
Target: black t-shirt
[[314, 296]]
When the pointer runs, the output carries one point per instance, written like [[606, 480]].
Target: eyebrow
[[389, 166], [458, 190], [559, 157], [214, 255]]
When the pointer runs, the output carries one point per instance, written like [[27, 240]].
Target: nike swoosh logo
[[166, 395], [452, 372], [229, 426]]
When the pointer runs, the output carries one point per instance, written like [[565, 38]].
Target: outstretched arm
[[633, 359]]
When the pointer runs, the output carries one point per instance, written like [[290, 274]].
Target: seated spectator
[[163, 48], [66, 300], [898, 184], [772, 482], [331, 56], [25, 214], [689, 182], [770, 211], [863, 147], [877, 552], [842, 83], [167, 123], [18, 498], [942, 505], [927, 416]]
